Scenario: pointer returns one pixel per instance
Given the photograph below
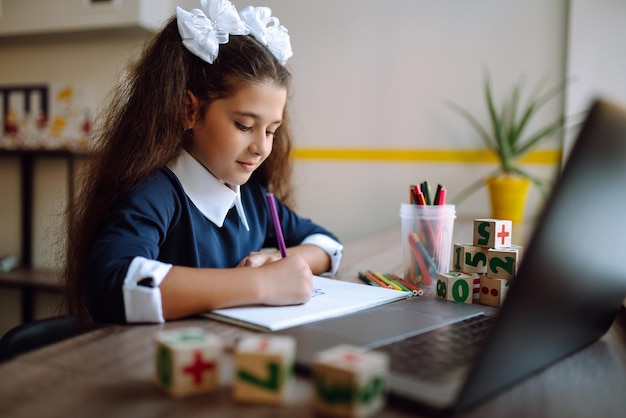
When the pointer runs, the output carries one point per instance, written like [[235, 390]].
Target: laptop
[[569, 288]]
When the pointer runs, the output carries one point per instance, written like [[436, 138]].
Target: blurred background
[[372, 83]]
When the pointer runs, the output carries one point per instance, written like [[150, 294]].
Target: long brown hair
[[143, 128]]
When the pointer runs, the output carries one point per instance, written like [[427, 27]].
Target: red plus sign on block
[[503, 234], [264, 344], [351, 357], [198, 367]]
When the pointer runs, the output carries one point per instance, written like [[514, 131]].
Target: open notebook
[[330, 298]]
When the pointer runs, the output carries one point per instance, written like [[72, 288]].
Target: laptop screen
[[572, 280]]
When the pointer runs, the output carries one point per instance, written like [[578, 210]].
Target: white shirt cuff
[[330, 246], [142, 301]]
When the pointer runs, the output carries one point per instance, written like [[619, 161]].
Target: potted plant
[[506, 135]]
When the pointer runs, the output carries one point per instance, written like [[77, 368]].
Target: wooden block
[[187, 361], [264, 368], [441, 287], [502, 263], [469, 258], [493, 233], [520, 252], [350, 382], [455, 286], [493, 291], [476, 286]]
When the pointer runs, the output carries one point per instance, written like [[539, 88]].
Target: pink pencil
[[279, 231]]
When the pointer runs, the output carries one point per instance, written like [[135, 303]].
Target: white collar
[[213, 198]]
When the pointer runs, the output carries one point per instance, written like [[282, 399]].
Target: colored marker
[[377, 280], [421, 200], [431, 264], [442, 197], [426, 191], [385, 280], [427, 278], [367, 280], [271, 201], [416, 290], [404, 288], [437, 194]]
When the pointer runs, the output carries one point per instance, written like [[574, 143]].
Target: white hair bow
[[203, 30], [267, 30]]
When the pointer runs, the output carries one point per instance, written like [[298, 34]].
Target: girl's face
[[236, 134]]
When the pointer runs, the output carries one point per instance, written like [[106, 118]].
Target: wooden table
[[109, 372]]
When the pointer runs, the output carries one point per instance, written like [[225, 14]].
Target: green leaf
[[505, 132], [503, 149], [528, 113], [472, 188], [541, 135], [482, 132], [513, 131], [541, 184]]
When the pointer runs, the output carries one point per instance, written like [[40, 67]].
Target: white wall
[[597, 57], [378, 75]]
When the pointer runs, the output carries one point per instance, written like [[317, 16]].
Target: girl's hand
[[288, 281], [258, 259]]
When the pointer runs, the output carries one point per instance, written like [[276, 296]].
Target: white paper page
[[330, 298]]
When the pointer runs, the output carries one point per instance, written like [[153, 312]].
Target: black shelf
[[26, 277]]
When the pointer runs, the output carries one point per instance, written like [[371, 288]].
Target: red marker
[[442, 197]]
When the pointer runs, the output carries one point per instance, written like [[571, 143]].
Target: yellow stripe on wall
[[469, 156]]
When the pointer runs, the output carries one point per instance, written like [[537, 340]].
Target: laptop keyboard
[[435, 354]]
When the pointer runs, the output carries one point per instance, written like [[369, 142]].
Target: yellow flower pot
[[508, 197]]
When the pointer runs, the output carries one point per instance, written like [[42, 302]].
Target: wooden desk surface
[[109, 372]]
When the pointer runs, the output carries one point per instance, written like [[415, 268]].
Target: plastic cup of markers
[[426, 241]]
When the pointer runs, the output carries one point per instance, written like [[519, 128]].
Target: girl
[[172, 214]]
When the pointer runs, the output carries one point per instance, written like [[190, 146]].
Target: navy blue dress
[[159, 222]]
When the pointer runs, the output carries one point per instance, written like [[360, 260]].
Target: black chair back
[[39, 333]]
